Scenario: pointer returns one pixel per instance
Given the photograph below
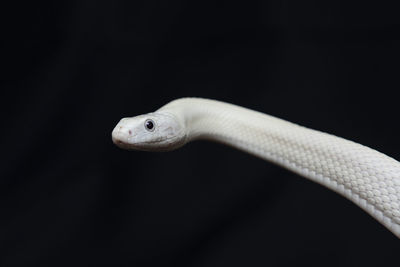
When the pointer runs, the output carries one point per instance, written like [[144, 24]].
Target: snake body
[[365, 176]]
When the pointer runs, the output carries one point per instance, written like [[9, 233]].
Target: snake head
[[158, 131]]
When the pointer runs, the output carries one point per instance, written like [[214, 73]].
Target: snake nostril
[[130, 132]]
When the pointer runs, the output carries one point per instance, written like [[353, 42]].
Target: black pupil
[[149, 125]]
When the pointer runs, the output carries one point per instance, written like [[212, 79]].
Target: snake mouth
[[159, 145], [118, 142], [160, 140]]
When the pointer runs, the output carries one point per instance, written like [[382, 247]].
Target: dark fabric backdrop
[[72, 69]]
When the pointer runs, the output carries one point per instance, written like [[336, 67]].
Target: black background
[[71, 70]]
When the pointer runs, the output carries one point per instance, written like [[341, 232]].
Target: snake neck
[[222, 122]]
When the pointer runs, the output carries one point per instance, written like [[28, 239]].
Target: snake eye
[[149, 125]]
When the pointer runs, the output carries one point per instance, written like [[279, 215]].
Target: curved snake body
[[365, 176]]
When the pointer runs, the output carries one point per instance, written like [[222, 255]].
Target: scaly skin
[[365, 176]]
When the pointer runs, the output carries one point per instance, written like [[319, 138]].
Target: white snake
[[365, 176]]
